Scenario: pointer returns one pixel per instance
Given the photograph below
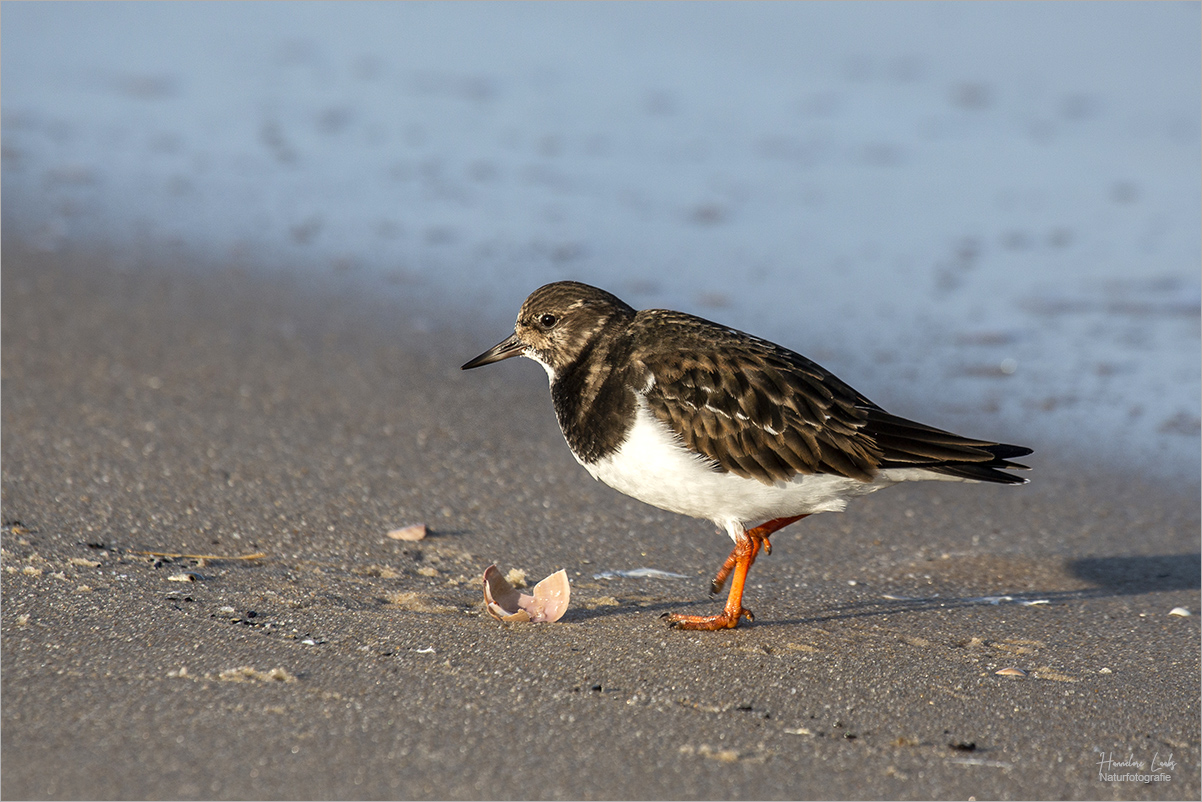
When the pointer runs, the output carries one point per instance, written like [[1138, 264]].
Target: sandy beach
[[153, 410]]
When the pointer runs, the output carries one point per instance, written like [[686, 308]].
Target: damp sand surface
[[277, 431]]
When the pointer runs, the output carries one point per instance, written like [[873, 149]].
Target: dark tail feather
[[907, 444], [988, 472]]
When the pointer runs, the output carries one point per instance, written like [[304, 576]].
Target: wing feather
[[761, 411]]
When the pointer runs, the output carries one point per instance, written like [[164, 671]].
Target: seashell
[[547, 605]]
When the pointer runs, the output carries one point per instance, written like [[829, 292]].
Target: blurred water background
[[983, 215]]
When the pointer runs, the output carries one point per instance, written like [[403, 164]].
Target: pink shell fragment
[[547, 605]]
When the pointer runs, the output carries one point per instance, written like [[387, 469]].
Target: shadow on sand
[[1110, 576]]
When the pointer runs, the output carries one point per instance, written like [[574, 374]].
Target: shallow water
[[983, 216]]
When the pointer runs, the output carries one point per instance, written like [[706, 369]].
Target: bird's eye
[[548, 321]]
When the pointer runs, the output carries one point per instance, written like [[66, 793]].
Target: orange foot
[[708, 622], [739, 561]]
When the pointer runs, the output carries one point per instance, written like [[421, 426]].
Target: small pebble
[[1105, 671], [1181, 611]]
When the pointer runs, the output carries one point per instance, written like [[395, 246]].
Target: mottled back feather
[[761, 411]]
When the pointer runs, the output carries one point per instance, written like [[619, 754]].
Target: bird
[[707, 421]]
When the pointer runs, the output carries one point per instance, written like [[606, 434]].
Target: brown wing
[[764, 412], [754, 408]]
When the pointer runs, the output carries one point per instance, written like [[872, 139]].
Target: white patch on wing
[[654, 466]]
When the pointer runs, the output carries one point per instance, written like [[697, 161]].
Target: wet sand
[[228, 412]]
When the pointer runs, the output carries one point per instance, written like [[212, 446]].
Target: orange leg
[[739, 561], [761, 532]]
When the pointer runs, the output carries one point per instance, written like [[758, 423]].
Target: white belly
[[653, 466]]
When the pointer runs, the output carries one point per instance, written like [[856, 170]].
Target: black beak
[[510, 346]]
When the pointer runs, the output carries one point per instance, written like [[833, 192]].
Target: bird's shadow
[[1110, 577], [1130, 576]]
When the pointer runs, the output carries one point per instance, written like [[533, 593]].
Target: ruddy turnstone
[[703, 420]]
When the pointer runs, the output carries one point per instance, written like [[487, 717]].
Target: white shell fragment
[[1000, 599], [1181, 611], [415, 532], [639, 573], [504, 603], [185, 577], [1011, 672]]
